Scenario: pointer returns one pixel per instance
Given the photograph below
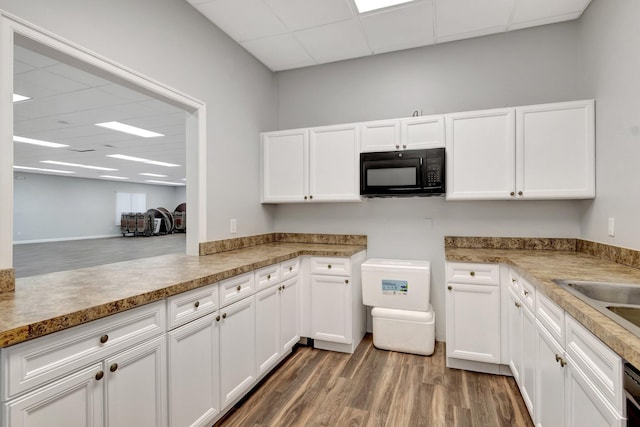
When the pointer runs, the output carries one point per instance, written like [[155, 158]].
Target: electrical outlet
[[611, 227], [234, 226]]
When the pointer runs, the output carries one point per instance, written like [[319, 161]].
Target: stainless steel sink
[[618, 301]]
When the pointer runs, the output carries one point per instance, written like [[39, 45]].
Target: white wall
[[50, 207], [610, 34], [518, 68], [171, 42]]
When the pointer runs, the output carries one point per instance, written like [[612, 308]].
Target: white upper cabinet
[[285, 161], [481, 154], [533, 152], [555, 150], [311, 165], [334, 163], [403, 134]]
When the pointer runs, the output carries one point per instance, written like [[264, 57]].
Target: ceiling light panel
[[155, 175], [113, 177], [369, 5], [18, 98], [153, 181], [28, 168], [141, 160], [38, 142], [77, 165], [122, 127]]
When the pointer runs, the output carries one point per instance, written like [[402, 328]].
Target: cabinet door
[[267, 328], [334, 163], [515, 337], [381, 135], [194, 389], [289, 314], [331, 309], [136, 385], [74, 401], [285, 160], [550, 380], [555, 150], [481, 155], [529, 350], [473, 322], [585, 406], [237, 349], [422, 132]]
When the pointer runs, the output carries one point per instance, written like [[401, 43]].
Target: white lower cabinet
[[515, 336], [528, 372], [289, 314], [550, 380], [74, 401], [194, 390], [237, 349], [331, 308], [136, 386]]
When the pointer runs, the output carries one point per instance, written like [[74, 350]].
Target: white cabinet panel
[[555, 150], [289, 313], [331, 266], [480, 154], [331, 311], [285, 161], [550, 380], [515, 336], [267, 328], [529, 353], [422, 132], [381, 135], [473, 322], [136, 386], [74, 401], [236, 288], [187, 306], [267, 276], [194, 390], [485, 274], [334, 163]]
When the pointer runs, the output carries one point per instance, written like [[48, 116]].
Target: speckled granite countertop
[[51, 302], [539, 267]]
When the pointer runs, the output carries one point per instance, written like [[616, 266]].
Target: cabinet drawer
[[290, 268], [187, 306], [486, 274], [331, 266], [528, 294], [598, 362], [551, 315], [267, 276], [236, 288], [36, 362]]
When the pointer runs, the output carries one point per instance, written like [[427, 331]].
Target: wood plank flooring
[[378, 388], [30, 259]]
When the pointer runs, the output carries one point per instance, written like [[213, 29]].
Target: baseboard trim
[[64, 239]]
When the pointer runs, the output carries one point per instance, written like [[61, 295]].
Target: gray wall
[[171, 42], [56, 207], [518, 68], [611, 38]]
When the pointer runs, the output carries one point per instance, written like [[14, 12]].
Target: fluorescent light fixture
[[77, 165], [38, 142], [27, 168], [153, 181], [121, 127], [369, 5], [141, 160], [18, 98], [155, 175], [113, 177]]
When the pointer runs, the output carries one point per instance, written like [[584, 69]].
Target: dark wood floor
[[39, 258], [379, 388]]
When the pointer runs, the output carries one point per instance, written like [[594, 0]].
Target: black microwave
[[403, 173]]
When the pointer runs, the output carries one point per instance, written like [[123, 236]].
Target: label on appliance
[[395, 287]]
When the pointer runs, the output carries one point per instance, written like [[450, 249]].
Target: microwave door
[[392, 177]]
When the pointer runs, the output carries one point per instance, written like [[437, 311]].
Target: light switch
[[612, 230]]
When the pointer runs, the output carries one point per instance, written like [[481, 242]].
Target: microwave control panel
[[434, 171]]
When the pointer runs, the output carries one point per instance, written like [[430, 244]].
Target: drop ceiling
[[287, 34], [66, 103]]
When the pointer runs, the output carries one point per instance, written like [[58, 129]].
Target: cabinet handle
[[310, 197], [239, 288], [563, 363], [224, 315], [104, 338], [268, 276], [558, 358], [525, 292], [518, 305], [472, 273], [218, 318], [519, 193], [329, 266], [290, 268], [450, 287], [346, 281], [280, 288], [305, 197], [113, 367], [512, 193], [99, 375], [404, 145], [196, 304], [397, 145], [513, 280]]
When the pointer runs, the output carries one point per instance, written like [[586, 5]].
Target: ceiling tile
[[299, 14], [538, 12], [335, 42], [458, 19], [243, 19], [415, 20], [279, 52]]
